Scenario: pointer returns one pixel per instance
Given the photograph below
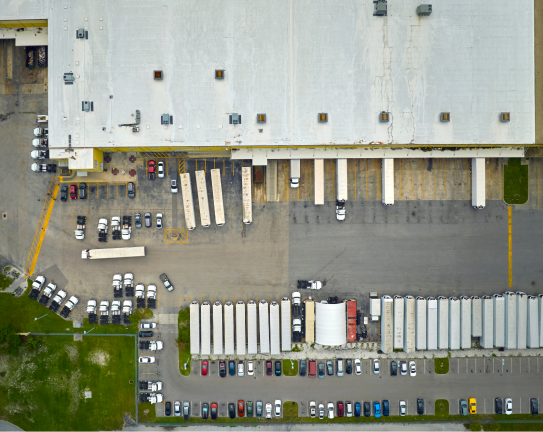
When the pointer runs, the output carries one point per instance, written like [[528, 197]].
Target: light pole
[[86, 332], [36, 319]]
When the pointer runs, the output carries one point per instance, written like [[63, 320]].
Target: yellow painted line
[[214, 164], [510, 248], [233, 168], [205, 166], [195, 164]]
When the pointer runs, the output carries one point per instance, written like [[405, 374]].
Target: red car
[[214, 411], [269, 370], [151, 169], [204, 367], [241, 408], [73, 191], [340, 409]]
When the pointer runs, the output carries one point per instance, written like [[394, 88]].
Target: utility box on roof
[[380, 8], [424, 10]]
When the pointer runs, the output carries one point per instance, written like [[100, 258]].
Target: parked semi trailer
[[487, 322], [465, 322], [420, 323], [319, 181], [295, 173], [240, 328], [522, 319], [510, 320], [431, 323], [476, 317], [125, 252], [351, 321], [188, 202], [399, 321], [205, 320], [478, 193], [341, 188], [454, 323], [409, 324], [275, 337], [387, 181], [217, 328], [229, 328], [203, 202], [217, 196], [285, 324], [532, 332], [246, 190], [252, 328], [387, 324], [442, 322], [194, 327], [499, 320], [263, 319]]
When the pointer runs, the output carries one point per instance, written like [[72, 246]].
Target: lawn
[[441, 365], [183, 341], [290, 367], [45, 389], [515, 182], [441, 408]]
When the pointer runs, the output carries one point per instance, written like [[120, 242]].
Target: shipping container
[[387, 181], [431, 323], [216, 185], [476, 317], [203, 202], [409, 324], [188, 204], [240, 328], [263, 317], [487, 322], [465, 322], [510, 320], [478, 194], [387, 324], [499, 320], [522, 319], [442, 322], [420, 317], [217, 328], [399, 321], [286, 329], [195, 328], [252, 328], [351, 321], [309, 321], [533, 322], [247, 192], [319, 181], [454, 323], [275, 338], [229, 328], [205, 312]]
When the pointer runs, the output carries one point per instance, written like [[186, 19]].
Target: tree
[[6, 331], [475, 426], [32, 343]]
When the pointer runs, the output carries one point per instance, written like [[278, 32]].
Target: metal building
[[533, 322], [420, 324], [442, 322], [264, 327], [410, 324], [275, 338], [399, 320], [217, 328], [431, 323], [487, 321], [285, 325], [465, 322], [229, 328], [195, 327], [387, 324], [454, 323], [522, 319], [252, 328], [499, 320], [510, 320], [476, 317], [240, 328]]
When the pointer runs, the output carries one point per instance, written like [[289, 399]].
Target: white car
[[148, 325], [268, 411], [147, 359], [412, 368], [357, 367], [241, 368], [177, 408], [277, 408], [159, 220], [403, 408], [508, 406], [348, 409], [330, 410], [173, 186], [161, 170], [403, 368], [376, 366], [321, 411], [312, 409], [250, 367]]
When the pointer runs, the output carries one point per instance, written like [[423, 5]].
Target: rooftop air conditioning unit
[[68, 78], [80, 34], [235, 118], [166, 119], [380, 8], [424, 10]]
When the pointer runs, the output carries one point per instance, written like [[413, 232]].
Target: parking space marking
[[178, 235]]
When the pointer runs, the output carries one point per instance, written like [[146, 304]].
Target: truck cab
[[340, 210]]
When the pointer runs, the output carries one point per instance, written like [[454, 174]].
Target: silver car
[[403, 408], [312, 409], [268, 410], [376, 366], [508, 406], [321, 411], [177, 408]]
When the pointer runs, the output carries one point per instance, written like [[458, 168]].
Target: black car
[[145, 334], [82, 190], [386, 408], [393, 368], [131, 190], [137, 218], [420, 406], [349, 366], [232, 367], [205, 411], [534, 406], [321, 370], [367, 409], [232, 410], [222, 368], [303, 367], [64, 193], [168, 409], [498, 406], [278, 368]]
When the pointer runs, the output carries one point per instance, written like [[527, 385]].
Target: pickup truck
[[166, 282], [81, 227], [57, 301], [68, 307], [156, 345], [311, 284], [37, 285], [47, 293]]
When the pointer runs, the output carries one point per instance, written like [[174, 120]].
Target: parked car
[[321, 411], [168, 409], [386, 408], [403, 368], [321, 370], [463, 407], [349, 366], [393, 368], [330, 410], [250, 368], [151, 169], [498, 406], [534, 406], [303, 367], [269, 371], [161, 170], [420, 406], [329, 367], [357, 367], [412, 368], [131, 190], [277, 408], [377, 409], [241, 368], [137, 219], [147, 359], [214, 410], [204, 367], [82, 190], [145, 334], [312, 409], [222, 368], [241, 408], [376, 366], [259, 409], [64, 193], [148, 325], [339, 368], [357, 409], [232, 367], [186, 410], [508, 406], [340, 409], [278, 368], [249, 408], [472, 406], [177, 409], [403, 408], [205, 411], [148, 222], [367, 409], [268, 410], [348, 409], [173, 186], [231, 410], [159, 220], [73, 191]]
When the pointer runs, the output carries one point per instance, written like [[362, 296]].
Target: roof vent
[[158, 74], [87, 106], [166, 119], [379, 8], [235, 118], [219, 73], [69, 78], [424, 10], [445, 116], [323, 117], [261, 118], [505, 117], [384, 117], [80, 33]]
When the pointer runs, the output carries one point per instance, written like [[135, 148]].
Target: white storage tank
[[420, 306], [263, 316], [387, 324], [399, 320], [487, 320], [533, 322], [217, 328], [206, 328], [229, 328], [442, 323], [195, 327], [499, 320], [454, 323], [431, 323], [465, 322], [410, 324], [510, 320], [476, 317]]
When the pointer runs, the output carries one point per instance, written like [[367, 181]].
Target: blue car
[[232, 367], [385, 408], [357, 409], [377, 409]]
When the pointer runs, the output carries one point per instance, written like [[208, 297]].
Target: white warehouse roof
[[290, 61], [330, 324]]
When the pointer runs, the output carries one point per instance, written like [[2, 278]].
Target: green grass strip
[[515, 182]]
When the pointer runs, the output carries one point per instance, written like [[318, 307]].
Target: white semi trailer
[[431, 324], [341, 188], [126, 252], [319, 181], [217, 328], [532, 332], [194, 327], [247, 192], [410, 324], [387, 181], [487, 322], [201, 187], [188, 203], [286, 330], [275, 338], [442, 322], [295, 173], [399, 321], [454, 323], [510, 320], [263, 317], [252, 328], [229, 328], [205, 313], [476, 317], [499, 320], [217, 196], [465, 322], [240, 328], [420, 323], [522, 319], [387, 324], [478, 193]]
